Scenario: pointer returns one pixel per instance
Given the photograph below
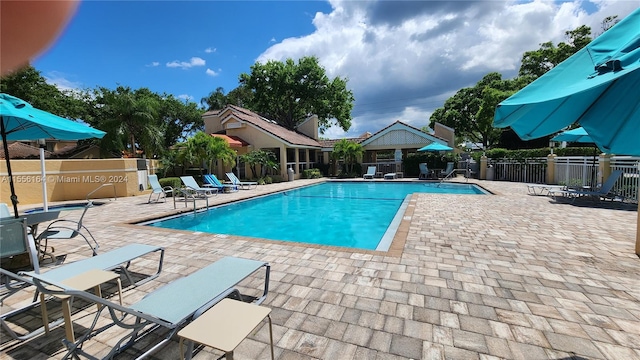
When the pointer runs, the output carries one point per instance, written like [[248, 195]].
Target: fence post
[[551, 168], [483, 167]]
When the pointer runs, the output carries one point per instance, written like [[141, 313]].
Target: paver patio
[[508, 276]]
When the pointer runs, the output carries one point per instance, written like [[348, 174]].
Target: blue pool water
[[349, 214]]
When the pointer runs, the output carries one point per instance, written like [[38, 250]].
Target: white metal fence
[[572, 171], [530, 170]]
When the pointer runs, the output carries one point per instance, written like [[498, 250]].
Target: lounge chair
[[4, 210], [603, 192], [245, 185], [390, 176], [158, 189], [169, 307], [118, 259], [193, 187], [446, 172], [543, 189], [66, 229], [212, 181], [371, 172], [424, 171]]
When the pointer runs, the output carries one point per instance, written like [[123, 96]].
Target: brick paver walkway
[[507, 276]]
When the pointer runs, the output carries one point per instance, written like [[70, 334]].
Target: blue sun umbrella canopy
[[598, 87], [576, 135], [434, 146], [23, 122]]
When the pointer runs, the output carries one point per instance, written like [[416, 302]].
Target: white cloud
[[195, 61], [60, 81], [185, 97], [153, 64], [213, 72], [404, 59], [210, 50]]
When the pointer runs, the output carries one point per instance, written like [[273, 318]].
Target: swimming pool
[[363, 215]]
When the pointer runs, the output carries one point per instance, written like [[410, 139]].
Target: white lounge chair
[[193, 187], [157, 189], [245, 185], [169, 307], [603, 192], [371, 172], [119, 259]]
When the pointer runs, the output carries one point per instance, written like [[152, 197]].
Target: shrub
[[311, 174], [174, 182]]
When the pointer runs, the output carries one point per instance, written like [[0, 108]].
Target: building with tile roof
[[303, 149]]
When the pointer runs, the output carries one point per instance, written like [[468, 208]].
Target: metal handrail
[[100, 187]]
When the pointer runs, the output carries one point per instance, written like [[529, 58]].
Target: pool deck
[[510, 276]]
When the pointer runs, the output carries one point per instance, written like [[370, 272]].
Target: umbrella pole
[[45, 205], [14, 198]]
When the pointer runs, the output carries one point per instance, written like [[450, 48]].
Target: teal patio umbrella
[[434, 146], [579, 135], [22, 122], [597, 87]]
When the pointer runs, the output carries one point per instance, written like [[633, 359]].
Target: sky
[[402, 59]]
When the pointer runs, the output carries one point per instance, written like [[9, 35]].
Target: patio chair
[[544, 189], [158, 189], [245, 185], [62, 229], [169, 307], [446, 172], [371, 172], [603, 192], [193, 187], [424, 171], [118, 259], [212, 181], [4, 211]]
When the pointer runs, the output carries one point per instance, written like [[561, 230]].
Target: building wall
[[310, 127], [445, 132], [71, 179], [212, 124]]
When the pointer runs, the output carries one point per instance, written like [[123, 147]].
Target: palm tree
[[130, 118], [203, 148], [216, 100], [349, 152]]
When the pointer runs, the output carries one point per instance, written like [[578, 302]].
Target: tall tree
[[179, 119], [130, 119], [216, 100], [29, 85], [289, 92], [537, 62], [470, 111]]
